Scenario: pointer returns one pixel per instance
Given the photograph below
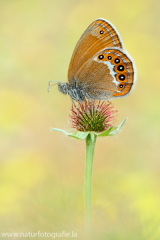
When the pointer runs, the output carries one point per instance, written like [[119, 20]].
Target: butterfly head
[[76, 93], [63, 87]]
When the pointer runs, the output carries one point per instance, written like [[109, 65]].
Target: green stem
[[90, 144]]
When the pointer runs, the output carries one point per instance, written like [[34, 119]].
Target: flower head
[[92, 116]]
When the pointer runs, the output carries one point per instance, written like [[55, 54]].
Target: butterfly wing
[[100, 34], [108, 74]]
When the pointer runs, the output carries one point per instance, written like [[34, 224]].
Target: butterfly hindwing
[[108, 74]]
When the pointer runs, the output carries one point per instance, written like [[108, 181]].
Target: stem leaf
[[80, 135], [111, 130], [74, 134], [117, 129], [83, 135], [106, 132]]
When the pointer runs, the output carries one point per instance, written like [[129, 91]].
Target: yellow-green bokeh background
[[42, 172]]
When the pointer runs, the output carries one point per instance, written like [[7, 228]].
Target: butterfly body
[[76, 93], [100, 68]]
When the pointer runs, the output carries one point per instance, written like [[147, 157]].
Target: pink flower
[[94, 116]]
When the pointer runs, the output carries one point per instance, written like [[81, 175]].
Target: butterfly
[[100, 67]]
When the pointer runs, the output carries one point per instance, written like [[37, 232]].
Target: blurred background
[[42, 172]]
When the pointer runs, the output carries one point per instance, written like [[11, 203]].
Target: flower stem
[[90, 144]]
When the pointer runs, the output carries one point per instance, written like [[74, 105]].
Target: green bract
[[111, 131]]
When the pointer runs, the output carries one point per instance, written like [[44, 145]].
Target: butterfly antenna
[[50, 85]]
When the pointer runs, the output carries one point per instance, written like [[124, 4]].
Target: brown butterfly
[[100, 68]]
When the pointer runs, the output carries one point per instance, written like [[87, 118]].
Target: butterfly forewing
[[99, 35]]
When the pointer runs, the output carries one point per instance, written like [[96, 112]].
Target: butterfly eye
[[117, 60], [101, 32], [120, 68], [101, 57], [109, 57], [121, 77]]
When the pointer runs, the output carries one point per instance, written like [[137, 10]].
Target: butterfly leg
[[91, 100], [74, 105]]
